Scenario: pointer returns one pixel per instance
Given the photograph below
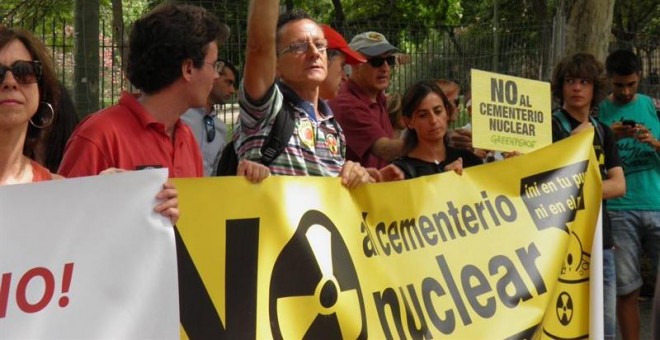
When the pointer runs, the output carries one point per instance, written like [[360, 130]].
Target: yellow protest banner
[[499, 252], [510, 113]]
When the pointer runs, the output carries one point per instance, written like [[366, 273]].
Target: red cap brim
[[336, 41], [353, 57]]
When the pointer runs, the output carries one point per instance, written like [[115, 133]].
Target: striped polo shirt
[[317, 146]]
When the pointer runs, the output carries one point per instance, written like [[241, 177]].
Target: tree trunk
[[119, 31], [589, 26], [340, 17], [86, 56], [120, 39]]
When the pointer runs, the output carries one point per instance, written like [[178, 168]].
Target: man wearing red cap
[[339, 55], [360, 106]]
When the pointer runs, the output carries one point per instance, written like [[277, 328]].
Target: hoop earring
[[45, 122]]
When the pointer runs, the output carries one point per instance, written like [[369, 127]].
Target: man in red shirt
[[173, 62], [360, 107]]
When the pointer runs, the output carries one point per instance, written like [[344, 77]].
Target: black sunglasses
[[379, 61], [25, 72], [209, 124]]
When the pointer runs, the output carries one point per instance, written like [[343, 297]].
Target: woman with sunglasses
[[426, 113], [28, 89]]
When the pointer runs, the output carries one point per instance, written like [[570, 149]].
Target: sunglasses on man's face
[[209, 125], [379, 61], [25, 72]]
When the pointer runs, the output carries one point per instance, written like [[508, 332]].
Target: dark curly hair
[[164, 38], [49, 90], [410, 101], [580, 65]]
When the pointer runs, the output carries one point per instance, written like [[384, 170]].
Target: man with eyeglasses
[[172, 61], [210, 132], [360, 106], [283, 70]]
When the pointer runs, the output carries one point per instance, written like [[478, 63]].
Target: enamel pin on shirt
[[331, 143], [306, 133]]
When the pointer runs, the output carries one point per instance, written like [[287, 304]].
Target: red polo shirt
[[126, 136], [363, 122]]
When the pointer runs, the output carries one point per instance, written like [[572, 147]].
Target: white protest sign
[[87, 258]]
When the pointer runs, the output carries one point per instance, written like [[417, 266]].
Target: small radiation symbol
[[564, 308]]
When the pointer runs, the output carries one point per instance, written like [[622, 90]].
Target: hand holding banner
[[481, 255]]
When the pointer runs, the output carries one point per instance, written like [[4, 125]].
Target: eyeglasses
[[209, 124], [379, 61], [25, 72], [218, 65], [302, 47]]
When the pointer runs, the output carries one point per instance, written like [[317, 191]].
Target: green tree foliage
[[636, 24], [340, 12], [33, 12], [633, 17]]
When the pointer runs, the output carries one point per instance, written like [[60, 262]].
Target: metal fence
[[440, 52]]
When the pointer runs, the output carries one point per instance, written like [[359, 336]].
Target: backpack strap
[[227, 165], [600, 133], [276, 141], [559, 119], [560, 116], [279, 135]]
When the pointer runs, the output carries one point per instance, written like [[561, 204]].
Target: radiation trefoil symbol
[[564, 308], [314, 288]]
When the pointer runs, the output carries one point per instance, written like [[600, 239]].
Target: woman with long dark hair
[[426, 113]]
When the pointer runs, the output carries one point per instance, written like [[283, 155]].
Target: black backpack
[[277, 140]]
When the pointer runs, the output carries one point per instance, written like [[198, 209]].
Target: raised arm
[[260, 59]]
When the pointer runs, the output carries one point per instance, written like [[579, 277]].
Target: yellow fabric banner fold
[[502, 251]]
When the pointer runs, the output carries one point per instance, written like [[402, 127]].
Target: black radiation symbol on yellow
[[564, 308], [314, 288]]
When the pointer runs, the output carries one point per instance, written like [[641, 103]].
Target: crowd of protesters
[[346, 126]]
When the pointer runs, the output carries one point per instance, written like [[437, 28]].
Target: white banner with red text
[[87, 258]]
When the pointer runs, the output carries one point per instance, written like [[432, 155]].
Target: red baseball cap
[[336, 41]]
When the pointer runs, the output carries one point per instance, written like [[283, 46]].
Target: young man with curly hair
[[578, 81], [173, 53]]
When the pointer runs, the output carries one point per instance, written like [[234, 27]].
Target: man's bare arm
[[260, 59], [387, 149]]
